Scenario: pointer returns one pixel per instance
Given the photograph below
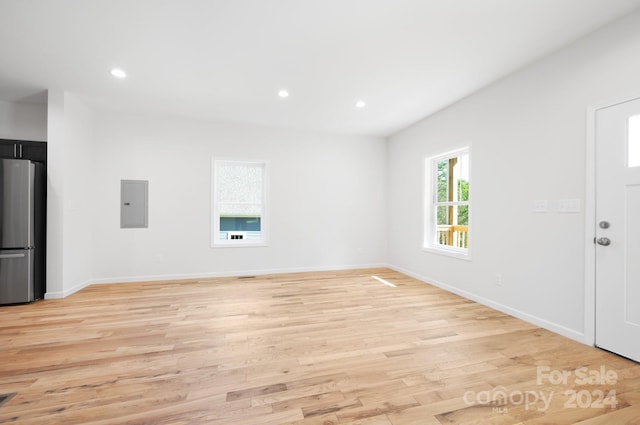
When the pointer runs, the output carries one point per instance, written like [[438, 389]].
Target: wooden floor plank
[[326, 348]]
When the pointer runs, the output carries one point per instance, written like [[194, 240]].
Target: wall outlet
[[498, 279]]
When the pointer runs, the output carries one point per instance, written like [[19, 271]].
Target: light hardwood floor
[[309, 348]]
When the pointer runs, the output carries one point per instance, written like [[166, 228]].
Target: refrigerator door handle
[[15, 150], [20, 150], [2, 256]]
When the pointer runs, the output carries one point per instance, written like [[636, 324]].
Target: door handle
[[3, 256], [604, 241]]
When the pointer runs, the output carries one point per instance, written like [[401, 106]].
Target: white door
[[618, 229]]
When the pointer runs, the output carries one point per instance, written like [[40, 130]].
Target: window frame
[[216, 242], [430, 204]]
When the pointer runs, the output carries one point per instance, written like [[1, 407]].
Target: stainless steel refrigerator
[[21, 219]]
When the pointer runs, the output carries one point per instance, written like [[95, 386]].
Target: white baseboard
[[63, 294], [180, 276], [538, 321]]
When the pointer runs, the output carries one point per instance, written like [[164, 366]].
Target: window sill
[[240, 245], [455, 253]]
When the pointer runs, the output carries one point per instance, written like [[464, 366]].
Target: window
[[238, 203], [447, 209]]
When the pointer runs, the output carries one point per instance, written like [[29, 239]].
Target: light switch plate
[[541, 206], [569, 206]]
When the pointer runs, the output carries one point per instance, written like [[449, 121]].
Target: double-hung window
[[239, 203], [447, 203]]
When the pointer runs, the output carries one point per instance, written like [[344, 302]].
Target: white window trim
[[215, 215], [429, 233]]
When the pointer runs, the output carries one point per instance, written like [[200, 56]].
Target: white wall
[[55, 185], [527, 134], [69, 199], [78, 209], [23, 121], [326, 198]]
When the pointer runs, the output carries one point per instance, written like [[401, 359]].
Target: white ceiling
[[225, 60]]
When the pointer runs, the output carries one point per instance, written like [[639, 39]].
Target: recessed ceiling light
[[360, 104], [118, 73], [283, 93]]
